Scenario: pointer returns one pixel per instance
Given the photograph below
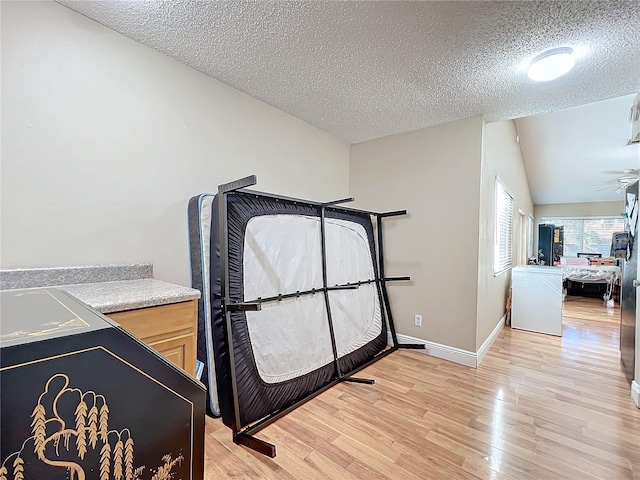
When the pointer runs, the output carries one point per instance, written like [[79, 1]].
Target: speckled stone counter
[[107, 297], [107, 288], [11, 279]]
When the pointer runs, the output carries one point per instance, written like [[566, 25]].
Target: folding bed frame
[[294, 301]]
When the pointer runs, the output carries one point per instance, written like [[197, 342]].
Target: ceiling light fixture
[[551, 64]]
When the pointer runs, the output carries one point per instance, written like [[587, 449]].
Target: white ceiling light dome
[[551, 64]]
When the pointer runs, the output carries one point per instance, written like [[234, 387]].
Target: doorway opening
[[522, 238]]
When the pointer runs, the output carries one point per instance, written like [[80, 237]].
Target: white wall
[[105, 140], [434, 173], [501, 156]]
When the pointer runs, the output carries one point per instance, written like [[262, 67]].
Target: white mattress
[[206, 201]]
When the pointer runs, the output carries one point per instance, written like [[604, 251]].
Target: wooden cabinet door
[[168, 329]]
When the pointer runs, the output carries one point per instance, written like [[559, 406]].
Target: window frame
[[530, 227], [498, 234]]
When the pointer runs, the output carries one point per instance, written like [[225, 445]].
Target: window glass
[[588, 235]]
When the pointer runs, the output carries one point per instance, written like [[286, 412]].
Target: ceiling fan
[[625, 179]]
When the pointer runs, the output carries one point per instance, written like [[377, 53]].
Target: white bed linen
[[282, 254], [591, 273]]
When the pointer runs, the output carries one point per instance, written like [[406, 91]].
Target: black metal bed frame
[[246, 436]]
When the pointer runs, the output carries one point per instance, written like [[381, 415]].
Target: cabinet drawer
[[152, 321]]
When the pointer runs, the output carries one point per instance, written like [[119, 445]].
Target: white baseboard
[[445, 352], [486, 345], [453, 354], [635, 393]]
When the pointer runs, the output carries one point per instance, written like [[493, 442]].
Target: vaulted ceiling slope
[[578, 154], [362, 70]]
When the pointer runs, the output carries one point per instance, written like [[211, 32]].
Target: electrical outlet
[[418, 320]]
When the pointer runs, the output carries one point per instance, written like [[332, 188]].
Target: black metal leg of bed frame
[[368, 381], [412, 346], [260, 446]]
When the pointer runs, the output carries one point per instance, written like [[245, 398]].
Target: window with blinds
[[588, 235], [504, 228]]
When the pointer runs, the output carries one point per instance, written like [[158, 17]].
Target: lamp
[[551, 64]]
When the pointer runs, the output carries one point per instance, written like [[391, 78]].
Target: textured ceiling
[[572, 154], [362, 70]]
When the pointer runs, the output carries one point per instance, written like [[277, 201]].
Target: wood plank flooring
[[591, 309], [539, 407]]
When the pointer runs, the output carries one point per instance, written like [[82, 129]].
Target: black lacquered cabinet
[[83, 399]]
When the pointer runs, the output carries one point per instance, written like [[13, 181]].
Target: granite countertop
[[109, 297], [107, 288]]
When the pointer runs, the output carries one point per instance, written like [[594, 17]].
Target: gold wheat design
[[105, 461], [128, 459], [164, 472], [81, 419], [93, 426], [38, 426], [104, 422], [118, 453], [18, 469], [137, 472]]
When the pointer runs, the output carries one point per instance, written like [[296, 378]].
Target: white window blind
[[587, 235], [504, 228]]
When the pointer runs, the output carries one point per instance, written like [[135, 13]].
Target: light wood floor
[[590, 309], [539, 407]]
